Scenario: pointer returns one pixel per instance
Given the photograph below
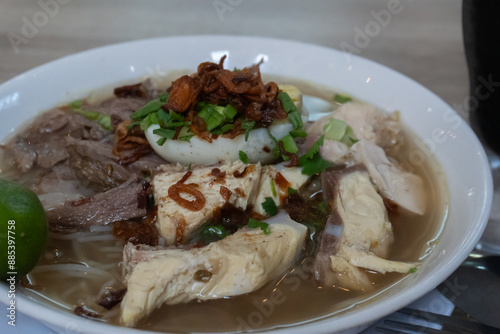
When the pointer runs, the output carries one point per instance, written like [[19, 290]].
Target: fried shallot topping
[[243, 89], [130, 143]]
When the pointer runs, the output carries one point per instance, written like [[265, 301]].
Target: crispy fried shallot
[[177, 189], [243, 89], [130, 144]]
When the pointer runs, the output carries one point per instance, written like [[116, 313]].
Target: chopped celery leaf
[[269, 206], [311, 161], [254, 223], [244, 157]]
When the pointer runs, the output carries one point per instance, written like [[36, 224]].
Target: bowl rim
[[36, 309]]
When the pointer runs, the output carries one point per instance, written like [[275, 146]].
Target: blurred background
[[421, 39]]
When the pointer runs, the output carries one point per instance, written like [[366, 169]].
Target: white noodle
[[80, 255], [72, 236], [112, 249], [106, 228], [99, 237], [71, 269], [50, 300]]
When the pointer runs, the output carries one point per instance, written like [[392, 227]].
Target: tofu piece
[[290, 177], [177, 221], [241, 263], [358, 232]]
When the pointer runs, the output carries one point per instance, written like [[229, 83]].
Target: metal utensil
[[475, 288], [449, 324]]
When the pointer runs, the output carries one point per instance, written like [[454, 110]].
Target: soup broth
[[292, 298]]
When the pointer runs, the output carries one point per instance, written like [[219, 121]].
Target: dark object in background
[[481, 29]]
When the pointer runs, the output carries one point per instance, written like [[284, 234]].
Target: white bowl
[[451, 140]]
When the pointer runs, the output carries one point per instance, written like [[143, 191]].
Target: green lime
[[23, 229]]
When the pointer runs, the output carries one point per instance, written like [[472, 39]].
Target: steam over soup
[[217, 205]]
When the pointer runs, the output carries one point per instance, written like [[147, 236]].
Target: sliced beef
[[95, 164], [141, 90], [119, 108], [42, 143], [120, 203]]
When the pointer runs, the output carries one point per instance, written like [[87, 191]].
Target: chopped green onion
[[206, 111], [227, 127], [296, 120], [212, 232], [92, 115], [292, 191], [254, 223], [176, 116], [289, 144], [349, 138], [342, 98], [219, 109], [248, 126], [200, 105], [300, 133], [291, 110], [412, 270], [244, 157], [163, 97], [165, 133], [335, 129], [150, 107], [146, 123], [339, 131], [133, 125], [185, 134], [230, 111], [164, 117], [215, 120], [103, 120], [269, 206], [276, 150], [287, 102], [154, 118], [273, 188], [170, 125], [77, 104], [161, 141], [186, 138]]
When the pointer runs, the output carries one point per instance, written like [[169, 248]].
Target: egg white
[[200, 151]]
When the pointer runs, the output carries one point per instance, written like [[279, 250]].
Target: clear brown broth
[[287, 300]]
